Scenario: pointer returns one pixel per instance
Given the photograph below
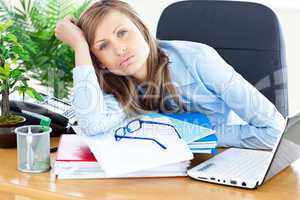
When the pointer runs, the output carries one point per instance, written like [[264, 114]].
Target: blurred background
[[48, 53]]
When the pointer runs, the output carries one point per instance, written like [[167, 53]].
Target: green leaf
[[34, 94], [15, 88], [3, 9], [29, 92], [21, 90], [12, 38], [2, 72], [6, 25], [81, 8], [20, 13], [42, 60], [24, 80], [21, 70], [14, 77], [23, 4], [15, 74], [29, 47], [2, 77], [2, 87], [7, 70]]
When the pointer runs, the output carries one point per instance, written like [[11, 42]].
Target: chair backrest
[[247, 35]]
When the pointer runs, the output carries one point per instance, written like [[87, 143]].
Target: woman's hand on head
[[69, 33]]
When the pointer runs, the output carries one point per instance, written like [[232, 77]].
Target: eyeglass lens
[[134, 126]]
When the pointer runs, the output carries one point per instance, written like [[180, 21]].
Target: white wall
[[290, 19]]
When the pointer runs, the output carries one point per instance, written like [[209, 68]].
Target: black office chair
[[247, 35]]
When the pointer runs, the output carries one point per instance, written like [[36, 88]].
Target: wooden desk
[[25, 186]]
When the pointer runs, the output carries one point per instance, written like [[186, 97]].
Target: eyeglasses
[[136, 125]]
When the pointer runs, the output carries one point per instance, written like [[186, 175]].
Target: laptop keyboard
[[241, 163]]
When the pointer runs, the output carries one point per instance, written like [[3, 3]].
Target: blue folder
[[191, 126], [208, 138], [205, 150], [191, 117]]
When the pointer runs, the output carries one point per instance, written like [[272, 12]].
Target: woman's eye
[[102, 46], [121, 33]]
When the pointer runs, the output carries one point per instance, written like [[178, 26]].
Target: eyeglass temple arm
[[142, 138], [159, 123]]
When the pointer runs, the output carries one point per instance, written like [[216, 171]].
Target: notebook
[[250, 168], [73, 154]]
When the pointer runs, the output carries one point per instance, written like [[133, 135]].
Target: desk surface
[[18, 185]]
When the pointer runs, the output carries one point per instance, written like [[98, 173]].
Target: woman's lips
[[126, 62]]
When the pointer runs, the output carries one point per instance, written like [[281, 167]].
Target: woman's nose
[[121, 50]]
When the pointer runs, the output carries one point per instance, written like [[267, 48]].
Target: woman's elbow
[[100, 123], [91, 129]]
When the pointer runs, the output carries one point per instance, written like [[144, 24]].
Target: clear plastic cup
[[33, 147]]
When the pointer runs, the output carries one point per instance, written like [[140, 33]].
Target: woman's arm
[[96, 111], [264, 121], [70, 34]]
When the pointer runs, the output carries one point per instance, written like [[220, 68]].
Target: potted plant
[[12, 78], [51, 61]]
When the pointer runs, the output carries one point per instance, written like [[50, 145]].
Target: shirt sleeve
[[96, 111], [264, 122]]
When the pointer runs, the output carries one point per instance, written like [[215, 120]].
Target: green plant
[[12, 76], [50, 61]]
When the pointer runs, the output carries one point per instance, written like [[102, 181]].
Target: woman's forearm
[[96, 111], [82, 55]]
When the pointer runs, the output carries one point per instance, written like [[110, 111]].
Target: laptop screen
[[288, 149]]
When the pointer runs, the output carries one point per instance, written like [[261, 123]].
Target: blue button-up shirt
[[238, 112]]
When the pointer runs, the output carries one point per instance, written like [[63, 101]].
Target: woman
[[122, 70]]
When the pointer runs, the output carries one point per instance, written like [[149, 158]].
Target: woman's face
[[120, 46]]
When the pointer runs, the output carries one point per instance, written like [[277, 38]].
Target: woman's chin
[[131, 70]]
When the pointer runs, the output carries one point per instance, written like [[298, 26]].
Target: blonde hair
[[159, 86]]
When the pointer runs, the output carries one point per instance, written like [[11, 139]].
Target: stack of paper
[[136, 157], [166, 151], [74, 160]]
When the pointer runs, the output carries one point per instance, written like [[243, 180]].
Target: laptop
[[250, 168]]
